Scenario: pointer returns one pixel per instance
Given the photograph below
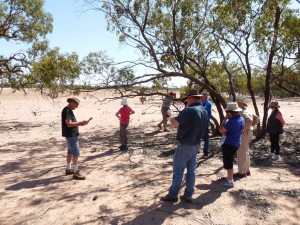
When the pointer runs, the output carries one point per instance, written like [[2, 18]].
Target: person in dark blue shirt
[[191, 123], [208, 107], [232, 126]]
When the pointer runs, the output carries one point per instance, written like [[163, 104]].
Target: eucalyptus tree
[[21, 21], [54, 72], [173, 38], [260, 35], [188, 38]]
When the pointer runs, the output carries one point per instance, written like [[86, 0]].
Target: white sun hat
[[232, 106], [124, 101]]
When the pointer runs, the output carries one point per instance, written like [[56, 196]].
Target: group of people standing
[[192, 127], [237, 127]]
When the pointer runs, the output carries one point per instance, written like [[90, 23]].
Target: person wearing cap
[[164, 110], [208, 107], [243, 153], [124, 115], [275, 128], [191, 123], [232, 126], [70, 131]]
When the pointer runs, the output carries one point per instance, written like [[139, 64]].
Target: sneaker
[[69, 171], [78, 176], [186, 199], [169, 198], [227, 183], [276, 157]]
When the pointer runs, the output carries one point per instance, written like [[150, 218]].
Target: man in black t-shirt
[[70, 131]]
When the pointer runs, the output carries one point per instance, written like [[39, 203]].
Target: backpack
[[255, 120]]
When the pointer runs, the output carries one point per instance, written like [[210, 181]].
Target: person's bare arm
[[117, 115], [132, 112], [174, 122], [76, 124], [222, 129], [280, 118]]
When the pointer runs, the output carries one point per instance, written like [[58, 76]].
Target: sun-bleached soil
[[125, 188]]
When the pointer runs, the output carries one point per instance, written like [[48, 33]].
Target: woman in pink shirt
[[124, 115]]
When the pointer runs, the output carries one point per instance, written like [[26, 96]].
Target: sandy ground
[[125, 188]]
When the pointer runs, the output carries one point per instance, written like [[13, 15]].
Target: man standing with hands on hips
[[71, 132], [191, 123]]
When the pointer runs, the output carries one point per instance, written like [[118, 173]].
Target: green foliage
[[22, 21], [55, 71]]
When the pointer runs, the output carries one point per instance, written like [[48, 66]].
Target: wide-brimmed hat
[[232, 106], [69, 100], [274, 104], [203, 93], [241, 100], [124, 101], [192, 93]]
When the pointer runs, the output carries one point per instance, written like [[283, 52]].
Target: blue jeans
[[73, 146], [185, 157], [206, 141]]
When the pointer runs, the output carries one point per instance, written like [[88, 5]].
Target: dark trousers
[[123, 134], [274, 139]]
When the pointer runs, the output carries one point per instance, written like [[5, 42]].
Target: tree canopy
[[211, 43]]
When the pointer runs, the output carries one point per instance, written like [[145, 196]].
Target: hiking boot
[[78, 176], [240, 175], [124, 148], [69, 171], [204, 157], [248, 173], [186, 199], [169, 198], [166, 130], [227, 183], [159, 126]]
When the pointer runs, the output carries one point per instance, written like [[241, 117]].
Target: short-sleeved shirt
[[234, 127], [207, 106], [125, 114], [192, 124], [167, 102], [248, 118], [67, 113]]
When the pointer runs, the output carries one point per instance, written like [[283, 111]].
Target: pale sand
[[126, 188]]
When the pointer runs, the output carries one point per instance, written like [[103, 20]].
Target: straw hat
[[274, 104], [241, 100], [232, 106], [124, 101], [69, 100]]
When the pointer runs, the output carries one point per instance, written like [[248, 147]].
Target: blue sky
[[76, 31], [81, 32]]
